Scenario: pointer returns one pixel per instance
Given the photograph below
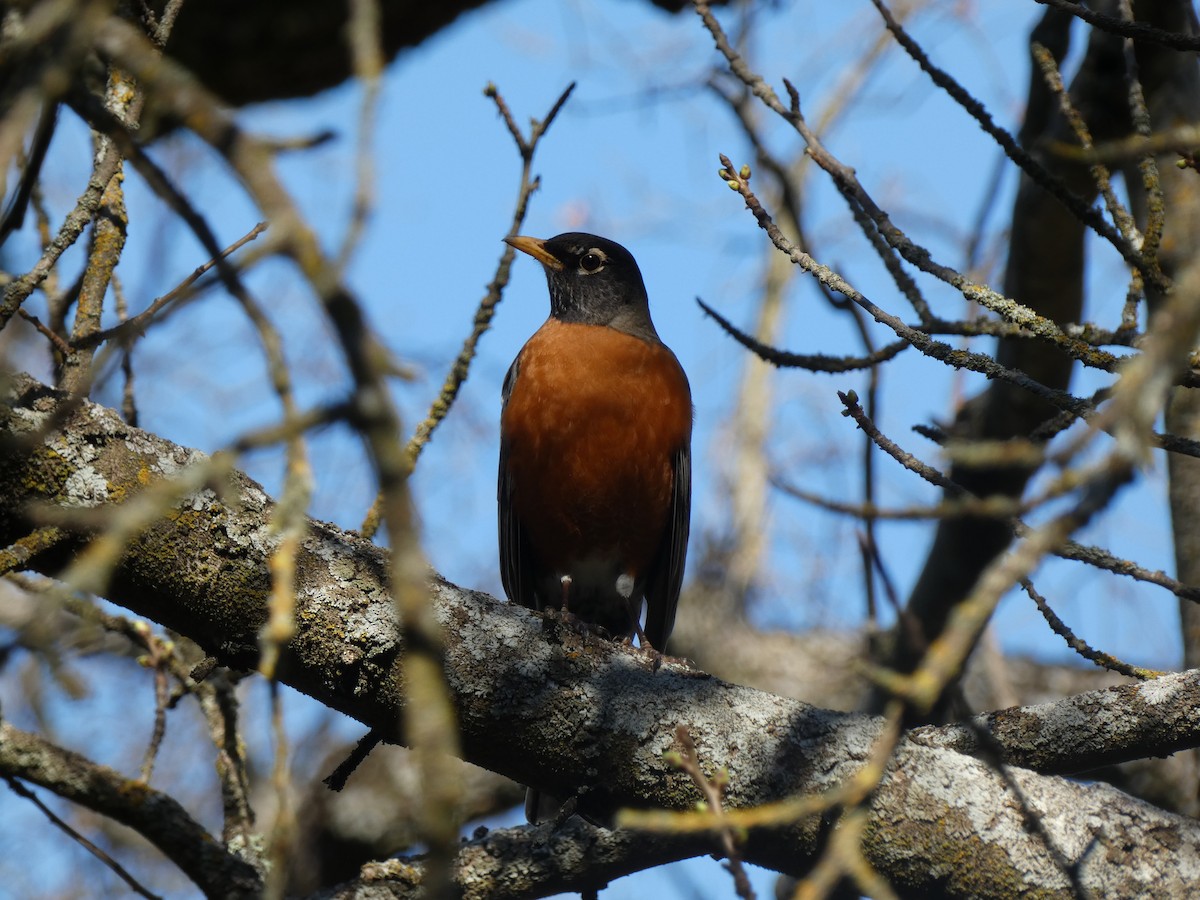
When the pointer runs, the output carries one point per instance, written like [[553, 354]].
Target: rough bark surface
[[543, 704]]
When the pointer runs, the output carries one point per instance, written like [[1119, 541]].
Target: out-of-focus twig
[[1046, 62], [138, 324], [363, 32], [712, 789]]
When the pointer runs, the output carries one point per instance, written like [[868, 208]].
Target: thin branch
[[21, 791], [154, 815], [712, 789], [847, 182], [964, 504], [1083, 211], [933, 476], [843, 858], [363, 34], [219, 704], [1049, 67], [1139, 114], [55, 340], [1182, 139], [1101, 559], [1135, 30], [136, 326], [495, 289], [1080, 646], [814, 362], [336, 780], [976, 362], [156, 661], [947, 653], [128, 397], [282, 837]]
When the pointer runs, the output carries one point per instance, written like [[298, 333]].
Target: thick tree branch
[[515, 863], [547, 706]]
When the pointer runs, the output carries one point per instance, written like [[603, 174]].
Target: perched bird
[[595, 451]]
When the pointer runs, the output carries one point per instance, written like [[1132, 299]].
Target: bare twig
[[134, 885], [487, 306], [976, 362], [965, 504], [154, 815], [1139, 114], [853, 410], [128, 399], [1083, 211], [843, 857], [126, 331], [459, 369], [1046, 62], [55, 340], [814, 362], [1182, 139], [943, 661], [155, 660], [363, 34], [218, 702], [336, 780], [1080, 646], [712, 789], [15, 293], [282, 838], [1135, 30]]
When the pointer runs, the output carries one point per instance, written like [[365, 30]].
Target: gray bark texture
[[542, 703]]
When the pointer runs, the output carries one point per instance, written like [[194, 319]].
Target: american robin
[[595, 449]]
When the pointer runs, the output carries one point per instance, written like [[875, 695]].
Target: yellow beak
[[535, 247]]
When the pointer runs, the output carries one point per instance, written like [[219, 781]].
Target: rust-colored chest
[[591, 427]]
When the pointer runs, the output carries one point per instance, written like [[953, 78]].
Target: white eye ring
[[592, 261]]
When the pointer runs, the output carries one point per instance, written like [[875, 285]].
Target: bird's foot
[[568, 619]]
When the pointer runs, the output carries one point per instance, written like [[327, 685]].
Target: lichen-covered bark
[[516, 863], [948, 826], [541, 703], [1081, 733]]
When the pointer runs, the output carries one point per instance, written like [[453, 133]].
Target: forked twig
[[713, 788]]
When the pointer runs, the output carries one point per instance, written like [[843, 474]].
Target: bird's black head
[[593, 281]]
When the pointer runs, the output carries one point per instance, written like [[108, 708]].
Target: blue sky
[[633, 157]]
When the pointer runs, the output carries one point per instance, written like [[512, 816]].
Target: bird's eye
[[591, 261]]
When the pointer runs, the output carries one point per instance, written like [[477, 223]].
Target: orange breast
[[592, 424]]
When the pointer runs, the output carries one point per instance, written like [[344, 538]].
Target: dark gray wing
[[666, 579], [516, 571]]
